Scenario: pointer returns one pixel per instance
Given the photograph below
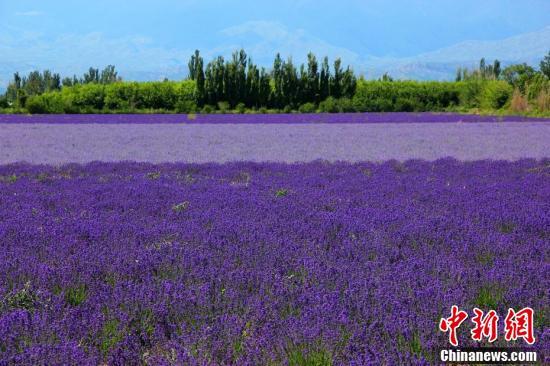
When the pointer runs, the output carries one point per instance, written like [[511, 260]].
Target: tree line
[[240, 81], [37, 83], [238, 84]]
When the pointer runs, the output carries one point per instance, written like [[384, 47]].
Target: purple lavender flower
[[353, 264]]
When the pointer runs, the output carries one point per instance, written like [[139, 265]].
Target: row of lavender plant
[[397, 117], [267, 263]]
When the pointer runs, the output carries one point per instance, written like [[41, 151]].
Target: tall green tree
[[109, 75], [290, 83], [92, 76], [312, 85], [324, 82], [193, 65], [545, 65], [278, 81], [264, 92], [336, 79], [349, 83], [496, 69], [519, 75], [252, 86]]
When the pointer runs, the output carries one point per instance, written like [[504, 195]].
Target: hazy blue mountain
[[140, 59], [442, 64]]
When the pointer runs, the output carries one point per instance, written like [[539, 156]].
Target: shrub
[[240, 108], [404, 105], [287, 109], [207, 109], [495, 94], [537, 85], [3, 102], [186, 106], [381, 105], [345, 105], [121, 96], [543, 101], [308, 108], [223, 106], [519, 103], [89, 97], [470, 92], [36, 105], [329, 105], [386, 96]]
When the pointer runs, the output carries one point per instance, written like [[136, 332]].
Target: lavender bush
[[264, 263], [397, 117]]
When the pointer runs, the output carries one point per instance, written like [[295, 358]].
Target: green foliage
[[186, 106], [301, 356], [495, 94], [23, 299], [345, 105], [35, 105], [537, 85], [239, 85], [545, 65], [223, 106], [239, 80], [76, 295], [4, 101], [281, 192], [240, 108], [412, 345], [484, 72], [109, 337], [397, 96], [117, 97], [207, 109], [143, 323], [329, 105], [518, 75], [38, 83], [470, 92], [307, 108], [489, 297]]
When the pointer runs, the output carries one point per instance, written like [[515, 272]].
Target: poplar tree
[[336, 80], [313, 94], [324, 82]]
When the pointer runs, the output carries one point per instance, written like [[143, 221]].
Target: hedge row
[[180, 97]]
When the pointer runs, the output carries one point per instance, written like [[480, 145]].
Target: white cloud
[[30, 13]]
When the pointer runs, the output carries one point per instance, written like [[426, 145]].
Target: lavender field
[[278, 118], [202, 143], [264, 263], [280, 243]]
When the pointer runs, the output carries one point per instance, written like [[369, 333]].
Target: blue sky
[[157, 36]]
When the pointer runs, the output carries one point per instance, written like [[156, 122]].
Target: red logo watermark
[[516, 325]]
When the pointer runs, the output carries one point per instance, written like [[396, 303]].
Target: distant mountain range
[[440, 64]]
